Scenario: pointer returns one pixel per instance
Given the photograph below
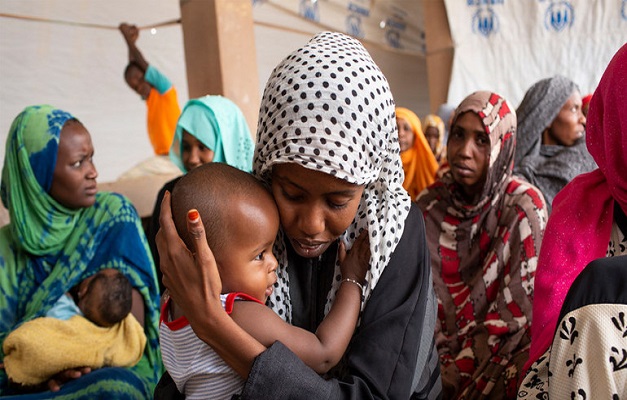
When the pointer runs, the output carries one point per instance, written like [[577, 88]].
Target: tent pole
[[220, 52]]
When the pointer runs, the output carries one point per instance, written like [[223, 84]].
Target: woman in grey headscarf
[[550, 148]]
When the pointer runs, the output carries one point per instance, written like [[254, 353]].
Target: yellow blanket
[[42, 347]]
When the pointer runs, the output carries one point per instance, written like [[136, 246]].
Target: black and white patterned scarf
[[328, 107]]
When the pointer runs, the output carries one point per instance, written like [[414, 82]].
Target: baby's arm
[[322, 350]]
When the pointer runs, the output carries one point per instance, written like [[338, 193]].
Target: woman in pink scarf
[[587, 223]]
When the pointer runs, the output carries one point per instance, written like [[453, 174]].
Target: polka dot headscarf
[[328, 107]]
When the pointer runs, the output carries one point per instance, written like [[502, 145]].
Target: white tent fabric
[[389, 23], [506, 46], [79, 68]]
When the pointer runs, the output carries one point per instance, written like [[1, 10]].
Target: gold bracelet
[[353, 281]]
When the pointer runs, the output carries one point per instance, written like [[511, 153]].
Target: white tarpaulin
[[71, 55], [506, 46], [395, 24]]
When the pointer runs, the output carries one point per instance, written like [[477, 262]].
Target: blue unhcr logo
[[393, 38], [309, 10], [485, 21], [395, 26], [623, 10], [559, 16], [353, 19], [353, 26]]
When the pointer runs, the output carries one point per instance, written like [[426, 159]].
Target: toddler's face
[[246, 262]]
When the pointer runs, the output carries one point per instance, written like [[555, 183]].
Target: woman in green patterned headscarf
[[61, 232]]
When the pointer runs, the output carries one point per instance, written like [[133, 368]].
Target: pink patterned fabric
[[579, 228]]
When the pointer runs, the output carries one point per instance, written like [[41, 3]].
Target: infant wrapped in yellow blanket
[[43, 347]]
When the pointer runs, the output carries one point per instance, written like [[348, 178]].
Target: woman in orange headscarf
[[419, 162]]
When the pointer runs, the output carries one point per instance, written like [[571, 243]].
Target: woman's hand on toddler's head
[[187, 270]]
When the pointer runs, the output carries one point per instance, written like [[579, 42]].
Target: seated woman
[[484, 232], [434, 133], [588, 222], [210, 129], [61, 232], [329, 152], [550, 144], [419, 163]]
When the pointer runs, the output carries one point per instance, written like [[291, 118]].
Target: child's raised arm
[[322, 350]]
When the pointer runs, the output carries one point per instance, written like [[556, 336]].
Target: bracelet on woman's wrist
[[359, 285]]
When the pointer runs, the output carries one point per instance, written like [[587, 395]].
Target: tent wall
[[506, 46], [220, 54], [79, 68], [439, 57]]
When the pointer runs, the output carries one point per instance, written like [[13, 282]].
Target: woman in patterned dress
[[484, 229]]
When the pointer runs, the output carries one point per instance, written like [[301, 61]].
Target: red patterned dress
[[483, 258]]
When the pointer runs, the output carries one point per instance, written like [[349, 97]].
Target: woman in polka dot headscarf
[[327, 146]]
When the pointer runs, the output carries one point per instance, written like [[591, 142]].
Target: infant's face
[[91, 294]]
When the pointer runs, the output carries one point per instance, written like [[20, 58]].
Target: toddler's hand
[[355, 263]]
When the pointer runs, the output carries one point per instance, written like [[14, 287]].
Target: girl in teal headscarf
[[219, 125], [210, 129], [52, 244]]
